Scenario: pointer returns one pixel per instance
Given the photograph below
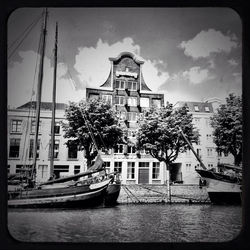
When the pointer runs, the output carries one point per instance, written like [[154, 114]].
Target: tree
[[227, 124], [103, 121], [159, 134]]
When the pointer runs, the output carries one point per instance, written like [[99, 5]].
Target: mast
[[191, 147], [39, 94], [53, 107]]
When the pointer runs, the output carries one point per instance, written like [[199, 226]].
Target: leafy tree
[[102, 120], [159, 134], [227, 124]]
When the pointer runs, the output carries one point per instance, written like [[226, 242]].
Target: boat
[[224, 186], [113, 190], [85, 189]]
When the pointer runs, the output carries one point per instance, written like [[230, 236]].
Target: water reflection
[[127, 223]]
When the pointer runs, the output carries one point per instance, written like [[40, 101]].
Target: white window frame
[[132, 115], [131, 170], [196, 108], [144, 102], [132, 101], [16, 126], [119, 98], [107, 98], [156, 171]]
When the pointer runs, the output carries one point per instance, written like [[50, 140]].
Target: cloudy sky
[[190, 54]]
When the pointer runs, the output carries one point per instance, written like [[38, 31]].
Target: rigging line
[[19, 44], [31, 112], [28, 27]]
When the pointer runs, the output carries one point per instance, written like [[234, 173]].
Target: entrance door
[[143, 177]]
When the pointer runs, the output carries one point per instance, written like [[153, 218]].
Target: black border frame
[[240, 6]]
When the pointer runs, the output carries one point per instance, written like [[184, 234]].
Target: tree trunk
[[237, 159], [167, 180]]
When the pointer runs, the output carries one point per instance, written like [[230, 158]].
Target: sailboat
[[224, 187], [72, 191]]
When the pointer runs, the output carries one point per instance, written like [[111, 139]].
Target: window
[[33, 126], [77, 169], [43, 171], [56, 149], [188, 167], [119, 84], [107, 166], [196, 108], [132, 101], [119, 100], [219, 154], [207, 109], [198, 151], [14, 148], [94, 96], [209, 151], [144, 102], [107, 98], [59, 170], [131, 170], [143, 164], [132, 116], [57, 128], [119, 149], [198, 142], [16, 126], [156, 170], [197, 120], [31, 149], [118, 167], [210, 165], [131, 149], [156, 103], [72, 151], [132, 85]]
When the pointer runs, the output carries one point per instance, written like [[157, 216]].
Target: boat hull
[[112, 194], [222, 189], [77, 196]]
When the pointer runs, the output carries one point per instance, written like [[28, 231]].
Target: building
[[126, 89], [206, 148], [21, 133]]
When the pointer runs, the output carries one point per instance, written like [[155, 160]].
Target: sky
[[189, 54]]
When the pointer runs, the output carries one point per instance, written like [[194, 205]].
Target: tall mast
[[39, 93], [53, 108]]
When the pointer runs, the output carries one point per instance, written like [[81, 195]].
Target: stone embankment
[[181, 193]]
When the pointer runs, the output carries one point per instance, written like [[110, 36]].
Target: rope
[[19, 44]]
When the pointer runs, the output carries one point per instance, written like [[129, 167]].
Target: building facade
[[21, 134], [127, 91]]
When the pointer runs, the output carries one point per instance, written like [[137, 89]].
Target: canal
[[127, 223]]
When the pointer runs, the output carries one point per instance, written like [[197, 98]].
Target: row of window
[[198, 151], [132, 101], [131, 168], [15, 149], [130, 85], [16, 127]]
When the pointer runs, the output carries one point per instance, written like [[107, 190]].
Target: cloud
[[22, 81], [207, 42], [93, 65], [196, 75], [233, 62]]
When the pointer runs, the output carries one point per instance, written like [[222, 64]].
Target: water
[[127, 223]]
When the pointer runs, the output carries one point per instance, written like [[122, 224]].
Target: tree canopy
[[100, 117], [159, 134], [227, 124]]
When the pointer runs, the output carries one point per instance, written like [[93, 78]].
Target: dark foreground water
[[127, 223]]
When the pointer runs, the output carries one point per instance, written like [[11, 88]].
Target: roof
[[202, 107], [44, 106], [138, 61]]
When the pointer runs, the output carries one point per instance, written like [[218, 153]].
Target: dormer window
[[207, 109], [196, 108]]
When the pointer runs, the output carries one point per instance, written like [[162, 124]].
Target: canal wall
[[180, 193]]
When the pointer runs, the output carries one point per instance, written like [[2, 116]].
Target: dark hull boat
[[222, 188], [62, 195], [112, 194]]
